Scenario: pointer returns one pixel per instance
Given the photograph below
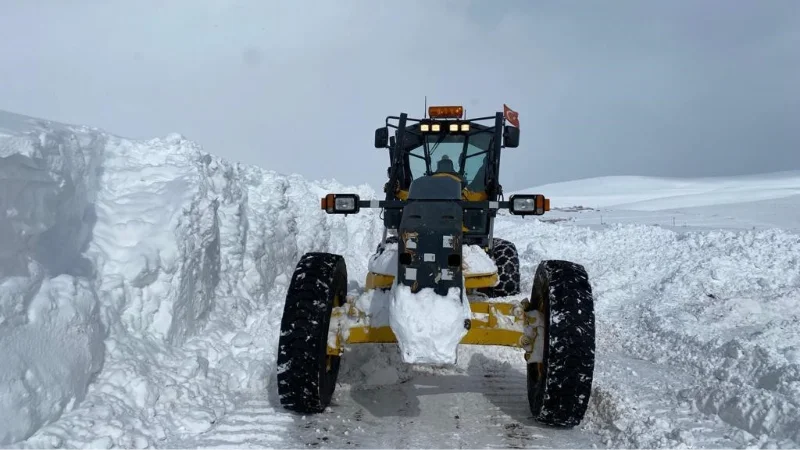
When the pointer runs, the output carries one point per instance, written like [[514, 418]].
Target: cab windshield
[[446, 153]]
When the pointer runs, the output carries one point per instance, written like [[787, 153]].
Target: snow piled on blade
[[428, 326], [145, 259]]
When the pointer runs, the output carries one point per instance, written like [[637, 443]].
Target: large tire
[[505, 256], [559, 387], [306, 374]]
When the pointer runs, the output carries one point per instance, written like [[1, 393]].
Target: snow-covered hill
[[752, 201], [142, 286], [652, 193]]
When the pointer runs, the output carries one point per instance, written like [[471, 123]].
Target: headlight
[[524, 205], [341, 203], [464, 127], [453, 127], [436, 127], [344, 204], [424, 127]]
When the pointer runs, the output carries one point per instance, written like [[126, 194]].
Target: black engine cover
[[430, 236]]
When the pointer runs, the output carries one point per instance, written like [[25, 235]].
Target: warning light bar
[[445, 112], [437, 127]]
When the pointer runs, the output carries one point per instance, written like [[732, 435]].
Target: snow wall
[[115, 254]]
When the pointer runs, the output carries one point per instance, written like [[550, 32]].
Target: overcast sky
[[666, 88]]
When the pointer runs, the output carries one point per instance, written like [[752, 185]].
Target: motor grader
[[441, 199]]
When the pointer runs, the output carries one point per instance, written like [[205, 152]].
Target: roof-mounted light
[[446, 112]]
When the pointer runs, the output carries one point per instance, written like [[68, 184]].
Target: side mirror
[[382, 137], [511, 137]]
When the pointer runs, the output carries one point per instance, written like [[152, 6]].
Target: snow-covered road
[[483, 407], [143, 282]]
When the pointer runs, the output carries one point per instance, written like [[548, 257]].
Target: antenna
[[425, 113]]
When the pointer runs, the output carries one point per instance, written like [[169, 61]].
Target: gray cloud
[[680, 88]]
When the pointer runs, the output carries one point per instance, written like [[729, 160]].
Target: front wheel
[[559, 387], [306, 373]]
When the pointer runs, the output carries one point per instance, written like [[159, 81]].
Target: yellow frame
[[484, 330]]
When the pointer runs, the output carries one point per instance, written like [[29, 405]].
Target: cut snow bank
[[116, 254], [51, 335]]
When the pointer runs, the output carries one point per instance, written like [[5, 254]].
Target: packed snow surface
[[142, 286], [428, 326]]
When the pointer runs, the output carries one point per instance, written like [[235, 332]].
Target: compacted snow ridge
[[142, 286], [709, 319]]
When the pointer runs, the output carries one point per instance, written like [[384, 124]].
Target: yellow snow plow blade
[[491, 324]]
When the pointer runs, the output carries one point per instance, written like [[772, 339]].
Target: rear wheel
[[505, 256], [306, 373], [559, 387]]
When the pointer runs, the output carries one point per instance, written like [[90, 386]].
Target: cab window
[[416, 162]]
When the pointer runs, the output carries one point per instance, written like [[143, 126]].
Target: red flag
[[511, 115]]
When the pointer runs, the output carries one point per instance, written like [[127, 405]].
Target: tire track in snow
[[252, 424], [482, 408]]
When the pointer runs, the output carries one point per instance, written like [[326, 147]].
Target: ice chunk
[[385, 262], [476, 261]]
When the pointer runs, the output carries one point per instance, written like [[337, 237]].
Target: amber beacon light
[[445, 112]]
